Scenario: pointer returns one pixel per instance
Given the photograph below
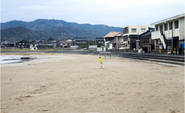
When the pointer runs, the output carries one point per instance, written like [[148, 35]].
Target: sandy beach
[[63, 83]]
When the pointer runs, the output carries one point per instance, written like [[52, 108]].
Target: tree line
[[90, 42]]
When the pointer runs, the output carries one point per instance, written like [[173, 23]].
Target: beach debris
[[27, 96], [168, 72], [174, 111], [24, 58]]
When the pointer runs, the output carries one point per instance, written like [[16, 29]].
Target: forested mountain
[[43, 28], [41, 24], [19, 33]]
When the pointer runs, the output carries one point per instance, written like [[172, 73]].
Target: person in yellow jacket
[[100, 60]]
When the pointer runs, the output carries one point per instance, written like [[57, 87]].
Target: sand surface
[[61, 83]]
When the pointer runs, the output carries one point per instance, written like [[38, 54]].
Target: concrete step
[[153, 58]]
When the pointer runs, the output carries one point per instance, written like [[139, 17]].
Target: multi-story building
[[169, 33], [131, 35]]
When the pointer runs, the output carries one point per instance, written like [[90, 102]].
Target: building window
[[161, 29], [142, 29], [171, 25], [121, 39], [176, 24], [156, 27], [109, 38], [158, 41], [169, 42], [133, 30], [126, 30], [166, 27], [145, 40]]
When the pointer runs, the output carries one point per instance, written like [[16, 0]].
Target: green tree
[[91, 43], [99, 44], [50, 39]]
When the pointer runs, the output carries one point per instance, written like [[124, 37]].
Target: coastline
[[75, 83], [35, 58]]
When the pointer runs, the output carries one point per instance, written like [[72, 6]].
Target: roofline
[[114, 35], [145, 32], [169, 19], [134, 25]]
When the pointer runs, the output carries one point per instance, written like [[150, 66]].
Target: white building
[[133, 32], [33, 47], [169, 33]]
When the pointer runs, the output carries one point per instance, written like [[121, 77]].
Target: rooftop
[[146, 34], [98, 37], [66, 42], [111, 34], [79, 38], [119, 34], [169, 19], [135, 26]]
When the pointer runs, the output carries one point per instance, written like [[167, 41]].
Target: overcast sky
[[117, 13]]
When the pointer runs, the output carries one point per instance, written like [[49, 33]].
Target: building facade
[[131, 35], [77, 41], [99, 39], [146, 43], [169, 34], [118, 41], [109, 40], [23, 44]]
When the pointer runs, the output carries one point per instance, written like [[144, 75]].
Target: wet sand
[[61, 83]]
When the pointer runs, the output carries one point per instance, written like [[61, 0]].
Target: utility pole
[[137, 41], [62, 39], [172, 39]]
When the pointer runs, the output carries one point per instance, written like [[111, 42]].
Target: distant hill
[[41, 24], [19, 33], [43, 28]]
